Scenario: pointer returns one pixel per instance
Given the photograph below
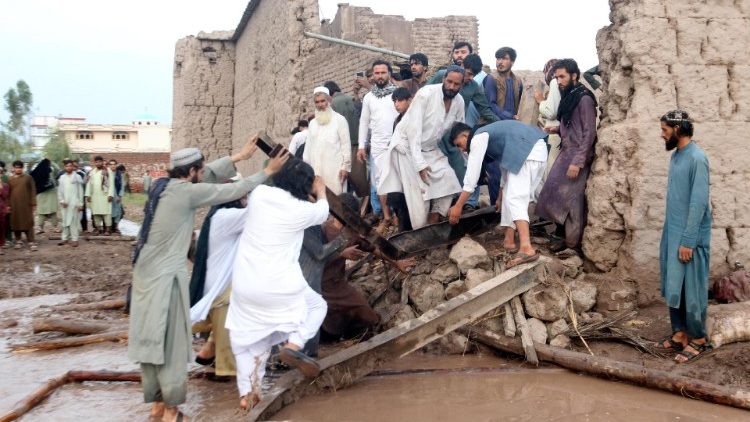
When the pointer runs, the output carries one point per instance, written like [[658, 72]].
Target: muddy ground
[[97, 270]]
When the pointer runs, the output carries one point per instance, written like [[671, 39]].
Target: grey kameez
[[159, 335]]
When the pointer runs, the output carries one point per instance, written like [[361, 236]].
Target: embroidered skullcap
[[676, 116], [454, 68], [185, 156], [322, 89]]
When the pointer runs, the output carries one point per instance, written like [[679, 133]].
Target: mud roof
[[251, 6]]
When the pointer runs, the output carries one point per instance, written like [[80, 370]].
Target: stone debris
[[454, 289], [583, 295], [538, 330], [445, 273], [547, 303], [477, 276], [468, 254], [558, 327], [616, 296], [561, 340], [425, 293]]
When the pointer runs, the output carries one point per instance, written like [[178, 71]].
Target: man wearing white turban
[[328, 148]]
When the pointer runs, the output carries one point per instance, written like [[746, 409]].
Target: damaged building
[[655, 56]]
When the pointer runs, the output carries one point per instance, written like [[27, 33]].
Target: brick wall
[[137, 163]]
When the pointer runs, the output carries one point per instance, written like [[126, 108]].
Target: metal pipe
[[356, 45]]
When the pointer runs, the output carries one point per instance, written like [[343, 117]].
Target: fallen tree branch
[[74, 326], [93, 306], [70, 341], [29, 402], [623, 371]]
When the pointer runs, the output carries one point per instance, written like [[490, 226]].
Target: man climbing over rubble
[[520, 152], [684, 252], [159, 332]]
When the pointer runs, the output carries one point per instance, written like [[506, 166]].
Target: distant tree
[[57, 148], [13, 139]]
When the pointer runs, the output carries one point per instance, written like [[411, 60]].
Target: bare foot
[[248, 401], [157, 409]]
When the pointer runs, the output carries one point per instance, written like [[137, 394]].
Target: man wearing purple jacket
[[563, 198]]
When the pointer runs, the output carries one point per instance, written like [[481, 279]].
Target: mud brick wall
[[659, 55], [434, 37], [203, 97], [228, 85]]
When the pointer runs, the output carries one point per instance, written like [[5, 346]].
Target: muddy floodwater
[[415, 388]]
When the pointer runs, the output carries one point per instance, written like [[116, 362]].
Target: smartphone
[[360, 74]]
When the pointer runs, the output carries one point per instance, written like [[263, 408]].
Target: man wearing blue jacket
[[520, 151]]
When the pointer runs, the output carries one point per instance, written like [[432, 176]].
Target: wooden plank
[[509, 323], [526, 340], [347, 366]]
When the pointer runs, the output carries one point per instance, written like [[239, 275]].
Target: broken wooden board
[[420, 240], [348, 366]]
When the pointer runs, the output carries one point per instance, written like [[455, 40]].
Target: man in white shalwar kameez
[[378, 115], [271, 302], [328, 149], [414, 163], [70, 196]]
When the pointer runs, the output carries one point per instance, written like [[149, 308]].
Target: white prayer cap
[[322, 89], [185, 156]]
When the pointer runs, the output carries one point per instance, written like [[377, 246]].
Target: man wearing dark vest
[[520, 152]]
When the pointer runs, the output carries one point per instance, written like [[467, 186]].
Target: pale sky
[[110, 61]]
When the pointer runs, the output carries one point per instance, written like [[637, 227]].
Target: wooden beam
[[526, 340], [348, 366], [624, 371]]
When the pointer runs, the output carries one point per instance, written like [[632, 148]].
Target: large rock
[[558, 327], [445, 273], [538, 330], [477, 276], [454, 289], [562, 341], [468, 254], [395, 315], [573, 266], [583, 294], [547, 303], [425, 293]]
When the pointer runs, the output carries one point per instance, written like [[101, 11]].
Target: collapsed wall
[[230, 85], [658, 55]]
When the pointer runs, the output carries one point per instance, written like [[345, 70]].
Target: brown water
[[415, 388]]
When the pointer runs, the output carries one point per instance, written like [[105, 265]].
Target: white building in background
[[144, 135], [41, 126]]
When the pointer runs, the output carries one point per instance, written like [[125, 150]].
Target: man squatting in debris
[[159, 332], [684, 252]]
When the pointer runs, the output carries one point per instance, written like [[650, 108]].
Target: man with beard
[[684, 251], [22, 205], [461, 49], [416, 166], [418, 63], [563, 199], [159, 333], [344, 105], [378, 115], [328, 149], [99, 194]]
